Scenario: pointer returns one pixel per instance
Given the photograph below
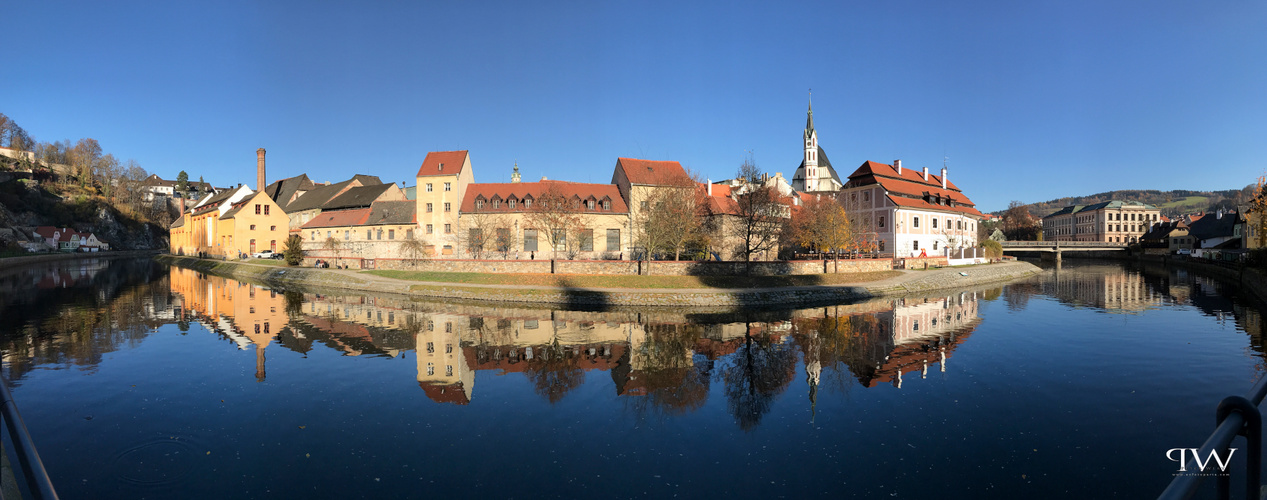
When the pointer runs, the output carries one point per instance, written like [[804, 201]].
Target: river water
[[141, 381]]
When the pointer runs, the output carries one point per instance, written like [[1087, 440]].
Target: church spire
[[809, 122], [514, 177]]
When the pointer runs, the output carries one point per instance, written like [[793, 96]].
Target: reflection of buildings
[[243, 312], [1104, 286], [668, 359]]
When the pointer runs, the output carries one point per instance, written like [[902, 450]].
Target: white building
[[906, 213]]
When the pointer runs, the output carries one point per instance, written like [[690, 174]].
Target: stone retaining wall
[[625, 267]]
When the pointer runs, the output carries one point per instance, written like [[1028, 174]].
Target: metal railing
[[1068, 244], [37, 481], [1236, 416]]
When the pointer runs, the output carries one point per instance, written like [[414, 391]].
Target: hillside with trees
[[1172, 203], [77, 185]]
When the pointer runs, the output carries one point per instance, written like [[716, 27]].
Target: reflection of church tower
[[811, 152], [813, 370]]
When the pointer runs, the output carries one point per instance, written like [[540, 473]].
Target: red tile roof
[[909, 189], [451, 161], [519, 190], [908, 174], [649, 172], [445, 393], [338, 218]]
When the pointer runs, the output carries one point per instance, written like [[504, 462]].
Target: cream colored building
[[1113, 221]]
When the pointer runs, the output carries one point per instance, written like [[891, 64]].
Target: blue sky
[[1029, 100]]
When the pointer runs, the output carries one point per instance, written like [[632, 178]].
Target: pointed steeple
[[809, 122], [514, 177]]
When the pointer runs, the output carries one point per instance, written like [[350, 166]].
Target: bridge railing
[[37, 481], [1063, 244], [1236, 416]]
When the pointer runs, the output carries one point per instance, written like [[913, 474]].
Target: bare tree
[[333, 245], [672, 219], [762, 218], [413, 248], [107, 173], [555, 214], [504, 241], [85, 155], [480, 229]]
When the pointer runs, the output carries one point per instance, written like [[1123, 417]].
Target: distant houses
[[66, 240]]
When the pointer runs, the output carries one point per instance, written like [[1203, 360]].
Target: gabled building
[[307, 205], [1220, 230], [906, 213], [501, 218]]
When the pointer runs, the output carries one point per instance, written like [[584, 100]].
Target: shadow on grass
[[581, 299]]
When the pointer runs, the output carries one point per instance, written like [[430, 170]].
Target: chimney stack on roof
[[925, 174], [898, 165], [710, 186], [259, 169], [943, 177]]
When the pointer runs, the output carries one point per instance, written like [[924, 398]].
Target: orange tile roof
[[908, 174], [909, 188], [451, 161], [649, 172], [338, 218], [519, 190]]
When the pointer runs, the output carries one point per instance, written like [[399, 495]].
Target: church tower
[[811, 152]]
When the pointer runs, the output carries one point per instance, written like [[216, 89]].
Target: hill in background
[[1172, 203]]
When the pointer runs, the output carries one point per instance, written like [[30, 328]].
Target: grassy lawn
[[266, 262], [611, 281]]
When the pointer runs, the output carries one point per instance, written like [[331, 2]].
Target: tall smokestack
[[259, 169]]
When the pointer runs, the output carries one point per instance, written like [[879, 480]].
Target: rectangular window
[[252, 227], [915, 245], [613, 240], [428, 187], [430, 229], [447, 250], [475, 239], [880, 221], [530, 240], [587, 239], [429, 208], [560, 239], [369, 234], [347, 234], [510, 203], [409, 234], [448, 186], [257, 209], [447, 206], [265, 209], [380, 234], [527, 203], [934, 223], [643, 204], [272, 228], [448, 229], [497, 203], [917, 222], [607, 204], [391, 234], [479, 204], [589, 204]]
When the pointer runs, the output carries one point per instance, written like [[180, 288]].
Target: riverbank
[[27, 260], [568, 295]]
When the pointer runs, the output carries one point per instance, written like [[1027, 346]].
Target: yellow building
[[253, 225], [508, 219], [442, 182]]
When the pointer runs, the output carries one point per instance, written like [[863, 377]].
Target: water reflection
[[665, 362]]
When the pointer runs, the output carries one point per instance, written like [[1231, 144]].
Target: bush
[[993, 249], [1257, 258], [294, 250]]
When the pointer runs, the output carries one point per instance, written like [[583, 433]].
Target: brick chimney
[[898, 165], [259, 169], [943, 177], [925, 174]]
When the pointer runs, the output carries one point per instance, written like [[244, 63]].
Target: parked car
[[264, 254]]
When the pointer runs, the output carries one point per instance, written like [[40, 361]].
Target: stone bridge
[[1053, 249]]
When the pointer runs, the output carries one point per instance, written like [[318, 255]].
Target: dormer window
[[441, 167], [479, 203], [527, 203], [589, 204], [607, 204], [510, 203], [497, 203]]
